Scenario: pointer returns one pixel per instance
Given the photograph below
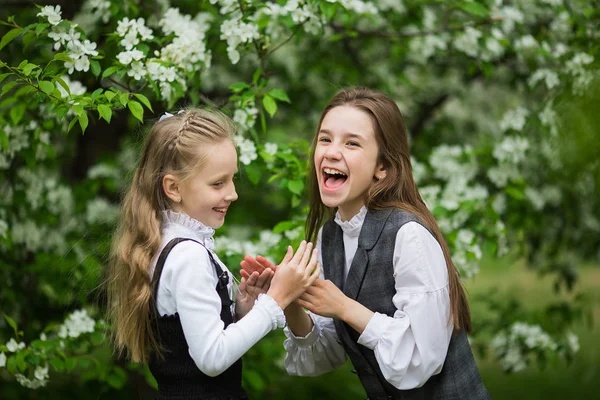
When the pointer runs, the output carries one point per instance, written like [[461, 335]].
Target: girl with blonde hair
[[169, 294]]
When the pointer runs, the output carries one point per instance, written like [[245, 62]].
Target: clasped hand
[[322, 297]]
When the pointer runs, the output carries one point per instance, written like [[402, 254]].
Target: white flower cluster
[[237, 32], [466, 252], [514, 119], [230, 246], [40, 378], [468, 41], [77, 323], [549, 77], [493, 48], [546, 195], [395, 5], [64, 34], [100, 9], [510, 153], [453, 162], [17, 140], [245, 117], [512, 149], [510, 16], [132, 31], [422, 48], [302, 13], [271, 148], [577, 68], [526, 43], [52, 13], [100, 210], [13, 346], [247, 149], [3, 229], [358, 6], [512, 347]]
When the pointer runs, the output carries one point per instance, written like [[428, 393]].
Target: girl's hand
[[325, 299], [249, 289], [295, 274], [258, 264]]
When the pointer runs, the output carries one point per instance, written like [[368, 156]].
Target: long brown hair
[[173, 146], [396, 190]]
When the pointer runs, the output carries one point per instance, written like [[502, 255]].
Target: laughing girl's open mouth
[[333, 178]]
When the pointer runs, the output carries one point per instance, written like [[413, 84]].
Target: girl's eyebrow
[[346, 135]]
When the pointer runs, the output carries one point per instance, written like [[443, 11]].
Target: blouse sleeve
[[190, 277], [318, 352], [411, 346]]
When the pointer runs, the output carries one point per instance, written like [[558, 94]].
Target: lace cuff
[[276, 313]]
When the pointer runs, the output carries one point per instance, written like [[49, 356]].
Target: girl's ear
[[380, 172], [170, 186]]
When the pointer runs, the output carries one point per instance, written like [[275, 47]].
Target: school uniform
[[391, 264], [193, 316]]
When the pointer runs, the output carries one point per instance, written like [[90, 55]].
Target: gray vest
[[370, 281]]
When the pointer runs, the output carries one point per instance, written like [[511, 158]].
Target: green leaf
[[40, 28], [58, 364], [78, 109], [4, 143], [11, 322], [238, 87], [269, 104], [136, 109], [62, 57], [83, 121], [109, 71], [328, 9], [144, 100], [64, 85], [11, 364], [110, 95], [296, 186], [3, 76], [6, 88], [10, 36], [296, 201], [284, 226], [72, 123], [47, 87], [61, 110], [253, 173], [97, 93], [257, 75], [105, 112], [28, 68], [95, 67], [70, 364], [21, 363], [124, 98], [474, 8], [279, 95], [17, 112]]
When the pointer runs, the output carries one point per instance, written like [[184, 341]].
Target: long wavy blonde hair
[[174, 146], [397, 190]]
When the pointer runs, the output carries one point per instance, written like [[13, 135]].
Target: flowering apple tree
[[501, 99]]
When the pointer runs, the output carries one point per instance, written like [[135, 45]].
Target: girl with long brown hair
[[170, 298], [390, 296]]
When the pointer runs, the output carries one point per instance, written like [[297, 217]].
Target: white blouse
[[411, 346], [187, 287]]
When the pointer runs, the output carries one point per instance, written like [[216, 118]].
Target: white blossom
[[75, 87], [468, 41], [549, 77], [510, 16], [247, 149], [573, 342], [2, 360], [41, 373], [511, 149], [271, 148], [100, 210], [52, 13], [3, 229], [514, 119], [13, 346], [77, 323]]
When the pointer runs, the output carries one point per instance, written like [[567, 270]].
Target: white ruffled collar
[[352, 228], [196, 228]]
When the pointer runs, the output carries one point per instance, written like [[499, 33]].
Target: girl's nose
[[332, 152], [232, 196]]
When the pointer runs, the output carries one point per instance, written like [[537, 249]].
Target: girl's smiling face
[[346, 159]]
